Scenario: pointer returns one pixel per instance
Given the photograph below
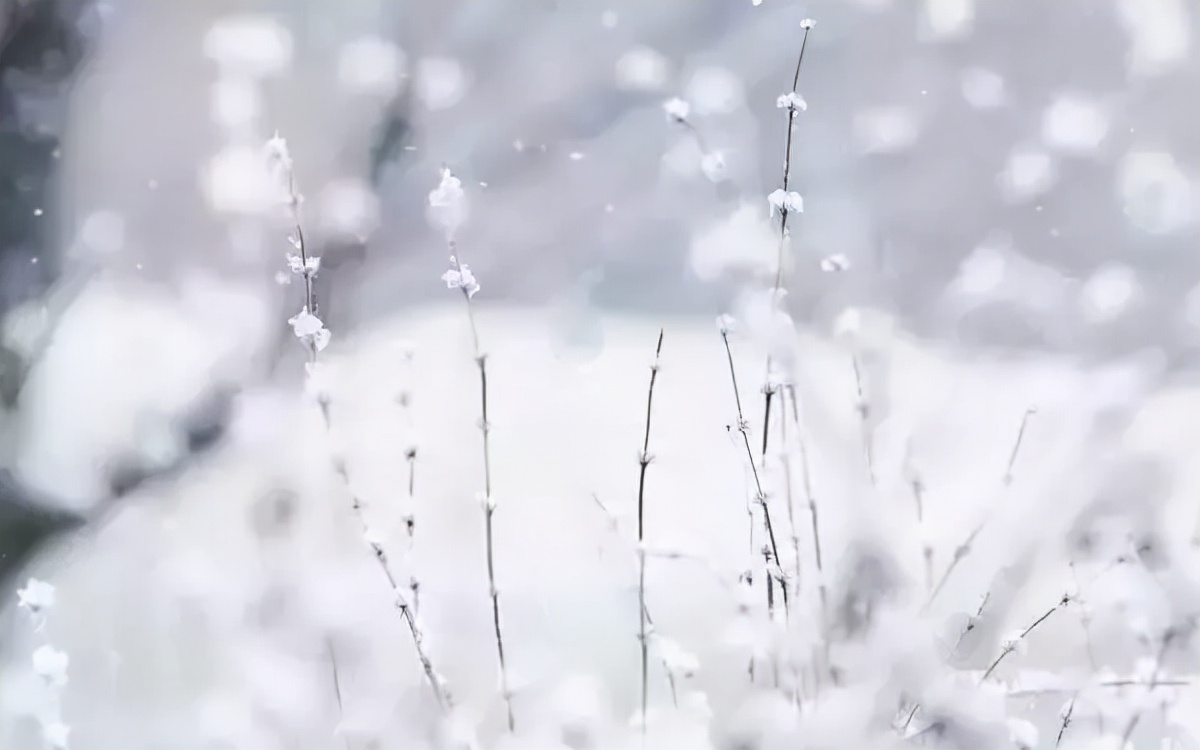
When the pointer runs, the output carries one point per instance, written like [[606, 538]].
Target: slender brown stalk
[[643, 464], [787, 161]]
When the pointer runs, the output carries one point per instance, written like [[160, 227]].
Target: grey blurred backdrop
[[1012, 173]]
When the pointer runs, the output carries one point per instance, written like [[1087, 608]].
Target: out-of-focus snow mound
[[206, 610]]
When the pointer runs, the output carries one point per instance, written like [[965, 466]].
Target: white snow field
[[203, 612]]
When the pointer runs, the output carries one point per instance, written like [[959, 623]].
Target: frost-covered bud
[[677, 109], [51, 665], [460, 277], [807, 24], [725, 324], [299, 265], [447, 203], [791, 101], [309, 327], [36, 596], [785, 201]]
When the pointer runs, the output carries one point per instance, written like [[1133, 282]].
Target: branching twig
[[643, 463], [761, 495], [1167, 638]]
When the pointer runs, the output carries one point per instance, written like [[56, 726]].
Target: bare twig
[[773, 569], [964, 549], [643, 464], [1010, 647], [436, 682], [864, 415], [489, 503], [1167, 638], [670, 675], [337, 687]]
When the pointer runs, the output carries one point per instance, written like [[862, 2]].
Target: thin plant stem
[[1167, 638], [436, 682], [787, 164], [864, 415], [964, 549], [337, 687], [1008, 649], [489, 504], [761, 495], [806, 476], [643, 464], [670, 675]]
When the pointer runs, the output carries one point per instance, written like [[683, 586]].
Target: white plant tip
[[792, 101], [807, 24], [677, 109], [36, 596], [725, 323], [835, 263], [460, 277], [788, 201], [51, 665]]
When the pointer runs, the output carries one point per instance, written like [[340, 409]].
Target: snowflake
[[460, 277], [785, 202]]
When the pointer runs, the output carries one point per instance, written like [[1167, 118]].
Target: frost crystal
[[277, 152], [791, 100], [807, 24], [51, 665], [460, 277], [36, 596], [785, 202], [677, 109]]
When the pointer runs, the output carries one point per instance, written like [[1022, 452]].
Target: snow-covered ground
[[205, 610]]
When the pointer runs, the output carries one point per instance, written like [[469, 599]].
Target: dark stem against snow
[[489, 503], [667, 670], [643, 464], [773, 569], [1010, 647], [787, 161], [1167, 639]]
